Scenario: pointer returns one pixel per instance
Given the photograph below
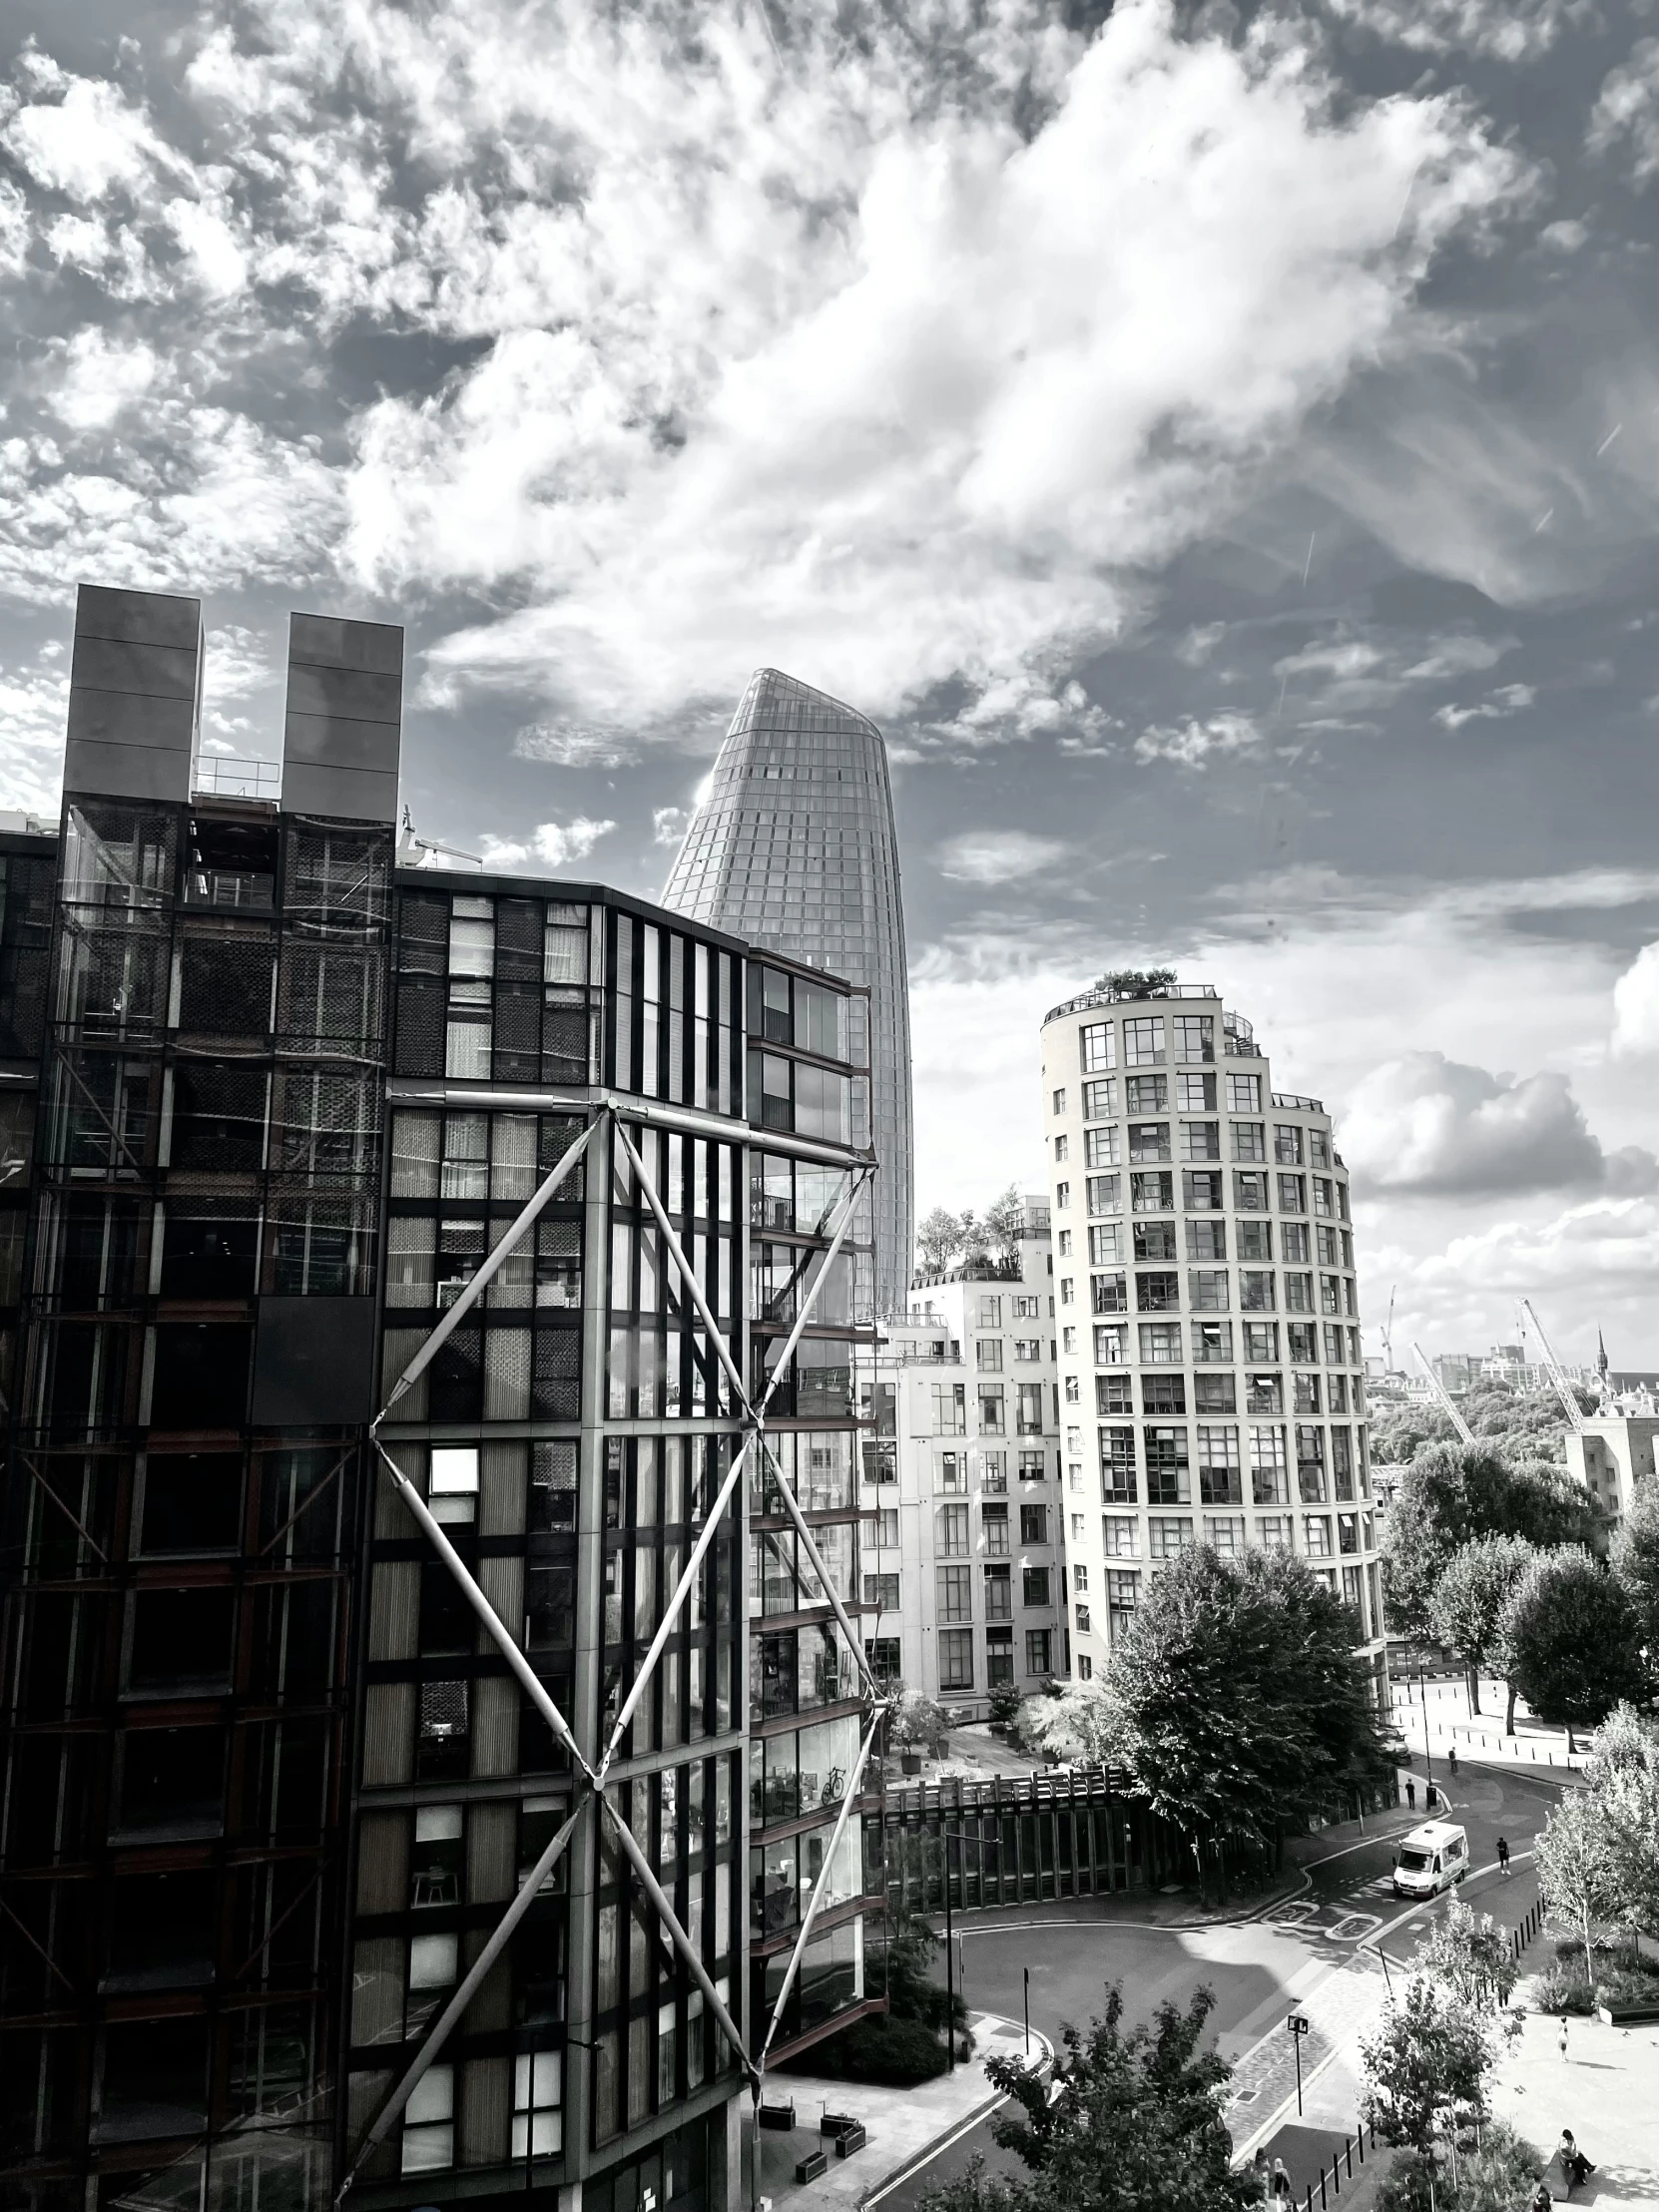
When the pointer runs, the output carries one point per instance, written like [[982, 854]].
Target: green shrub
[[1497, 2176], [896, 2054], [1564, 1987]]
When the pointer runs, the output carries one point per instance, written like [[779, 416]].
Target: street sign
[[1298, 2024]]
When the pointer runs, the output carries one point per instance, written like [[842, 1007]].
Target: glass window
[[990, 1409], [881, 1591], [1060, 1102], [1269, 1469], [1163, 1393], [1100, 1100], [1293, 1242], [1154, 1240], [1256, 1291], [1111, 1345], [1111, 1394], [952, 1526], [1207, 1289], [1167, 1536], [1273, 1532], [1149, 1140], [1167, 1466], [1146, 1094], [1099, 1046], [1213, 1344], [1214, 1394], [1250, 1140], [1201, 1140], [1100, 1147], [1033, 1524], [1293, 1193], [1244, 1094], [988, 1353], [1158, 1293], [955, 1593], [1202, 1191], [1034, 1586], [1062, 1147], [1143, 1040], [1117, 1465], [1196, 1094], [1264, 1394], [1316, 1535], [955, 1647], [1195, 1036], [1120, 1535], [1250, 1192], [994, 1520], [1161, 1344], [999, 1594], [1037, 1646], [1151, 1192], [1105, 1193], [1254, 1238]]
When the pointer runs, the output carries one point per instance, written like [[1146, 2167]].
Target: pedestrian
[[1261, 2177], [1562, 2038], [1430, 1796], [1452, 1758], [1282, 2192], [1576, 2169], [1542, 2201], [1503, 1857], [1411, 1796]]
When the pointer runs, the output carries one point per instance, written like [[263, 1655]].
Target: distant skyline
[[1216, 444]]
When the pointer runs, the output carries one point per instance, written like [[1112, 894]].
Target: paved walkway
[[1607, 2090], [1341, 2003], [1443, 1710], [902, 2124]]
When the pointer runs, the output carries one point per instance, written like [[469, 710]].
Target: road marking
[[1475, 1874], [1351, 1926], [933, 2150]]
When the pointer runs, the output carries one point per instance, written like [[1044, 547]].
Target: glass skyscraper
[[795, 849]]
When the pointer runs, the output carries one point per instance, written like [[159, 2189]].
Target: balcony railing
[[228, 776]]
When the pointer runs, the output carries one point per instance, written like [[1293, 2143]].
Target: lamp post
[[1027, 1974], [1427, 1756], [1297, 2025]]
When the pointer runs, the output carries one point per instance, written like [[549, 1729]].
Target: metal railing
[[228, 776], [1103, 995], [1293, 1102]]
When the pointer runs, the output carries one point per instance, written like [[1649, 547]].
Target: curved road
[[1074, 1951]]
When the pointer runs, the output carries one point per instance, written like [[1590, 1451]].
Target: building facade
[[794, 849], [1211, 1375], [1611, 1453], [963, 1496], [295, 1698]]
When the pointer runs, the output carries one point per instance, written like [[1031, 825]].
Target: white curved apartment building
[[1212, 1388]]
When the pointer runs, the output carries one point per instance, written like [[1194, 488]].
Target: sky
[[1216, 444]]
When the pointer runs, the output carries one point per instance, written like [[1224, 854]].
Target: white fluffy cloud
[[1497, 706], [1425, 1123], [997, 856], [1626, 115], [1636, 1006], [1193, 742]]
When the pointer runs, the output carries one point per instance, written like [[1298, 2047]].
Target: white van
[[1432, 1858]]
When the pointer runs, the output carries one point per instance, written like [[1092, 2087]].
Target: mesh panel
[[558, 1133], [556, 1392], [224, 986], [564, 1045], [420, 1026], [517, 1031], [326, 1121], [422, 935], [115, 986], [506, 1374], [518, 933], [218, 1117], [332, 996], [338, 876]]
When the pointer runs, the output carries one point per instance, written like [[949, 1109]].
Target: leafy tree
[[1137, 983], [1469, 1955], [1129, 2120], [1003, 1223], [1397, 1441], [1467, 1602], [1078, 1724], [920, 1722], [938, 1239], [1452, 1495], [1426, 2066], [1235, 1700], [1572, 1640], [1623, 1776], [1573, 1855], [1636, 1563]]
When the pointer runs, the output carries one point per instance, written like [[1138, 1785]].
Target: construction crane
[[1554, 1369], [1388, 1332], [1440, 1392]]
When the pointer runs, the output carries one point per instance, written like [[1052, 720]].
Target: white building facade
[[964, 1539], [1212, 1384]]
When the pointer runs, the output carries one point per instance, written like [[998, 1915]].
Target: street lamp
[[1298, 2024], [1427, 1756], [978, 1842]]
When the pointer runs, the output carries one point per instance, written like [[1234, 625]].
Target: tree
[[1573, 1856], [939, 1239], [1426, 2066], [1623, 1776], [920, 1722], [1003, 1224], [1469, 1955], [1235, 1701], [1572, 1640], [1078, 1724], [1636, 1563], [1129, 2120], [1452, 1495], [1466, 1604], [1137, 983]]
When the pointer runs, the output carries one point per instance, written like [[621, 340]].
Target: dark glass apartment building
[[794, 849], [270, 1781]]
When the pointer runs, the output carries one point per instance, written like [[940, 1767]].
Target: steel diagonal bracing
[[480, 1280], [530, 1682], [505, 1641], [444, 2024], [822, 1883], [681, 1940]]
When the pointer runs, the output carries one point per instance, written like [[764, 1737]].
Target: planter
[[813, 2167], [779, 2116], [850, 2139], [911, 1762], [1627, 2015], [836, 2123]]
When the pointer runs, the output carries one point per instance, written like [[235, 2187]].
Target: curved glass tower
[[794, 848]]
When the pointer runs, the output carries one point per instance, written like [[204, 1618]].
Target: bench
[[811, 2167], [779, 2116]]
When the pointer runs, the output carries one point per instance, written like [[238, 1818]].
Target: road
[[1254, 1969]]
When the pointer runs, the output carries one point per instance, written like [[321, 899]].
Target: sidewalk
[[1340, 2007], [1606, 2092], [1478, 1736], [902, 2124]]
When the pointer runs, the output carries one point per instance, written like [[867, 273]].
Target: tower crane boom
[[1440, 1392], [1554, 1369]]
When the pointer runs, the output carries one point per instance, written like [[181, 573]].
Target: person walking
[[1411, 1796], [1452, 1758], [1561, 2039], [1281, 2193], [1503, 1857]]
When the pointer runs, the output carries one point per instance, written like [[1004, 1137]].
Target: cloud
[[1426, 1124], [572, 744], [1626, 113], [1636, 1007], [1508, 30], [668, 823], [557, 845], [793, 408], [94, 381], [1497, 706], [1194, 742], [1599, 1259], [997, 856], [86, 143]]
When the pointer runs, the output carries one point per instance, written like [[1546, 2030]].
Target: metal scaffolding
[[591, 1782]]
